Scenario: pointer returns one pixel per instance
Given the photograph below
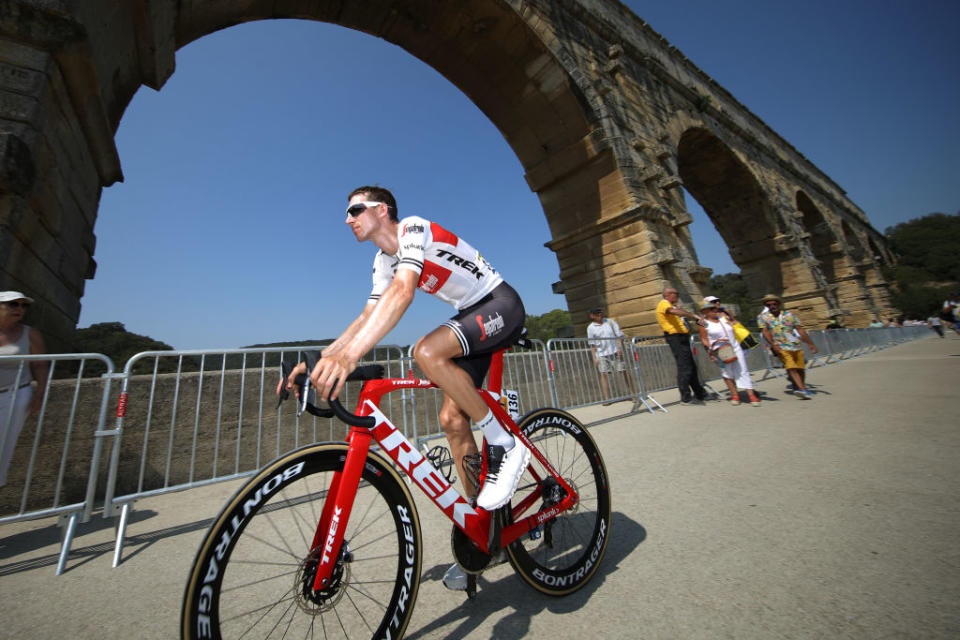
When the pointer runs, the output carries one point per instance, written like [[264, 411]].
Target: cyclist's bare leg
[[435, 353], [456, 425]]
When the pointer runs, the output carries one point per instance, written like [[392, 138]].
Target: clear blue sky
[[228, 229]]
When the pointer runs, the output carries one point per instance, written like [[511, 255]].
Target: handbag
[[723, 350], [744, 337]]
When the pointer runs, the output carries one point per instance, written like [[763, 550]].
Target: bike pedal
[[536, 533], [471, 586]]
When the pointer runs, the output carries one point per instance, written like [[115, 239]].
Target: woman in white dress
[[717, 331], [17, 397]]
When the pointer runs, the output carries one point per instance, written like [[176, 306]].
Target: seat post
[[495, 379]]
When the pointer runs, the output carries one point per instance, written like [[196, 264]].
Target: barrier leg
[[654, 401], [121, 533], [68, 533]]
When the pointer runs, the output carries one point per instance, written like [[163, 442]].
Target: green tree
[[930, 245], [552, 324], [927, 251], [114, 341], [732, 289]]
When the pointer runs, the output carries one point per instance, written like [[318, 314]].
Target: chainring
[[469, 556]]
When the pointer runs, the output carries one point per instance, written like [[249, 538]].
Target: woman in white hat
[[17, 397], [717, 331]]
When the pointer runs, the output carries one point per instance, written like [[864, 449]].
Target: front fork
[[328, 539]]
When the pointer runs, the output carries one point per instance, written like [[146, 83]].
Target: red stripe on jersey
[[433, 276], [442, 235]]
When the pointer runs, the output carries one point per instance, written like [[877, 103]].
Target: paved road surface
[[836, 517]]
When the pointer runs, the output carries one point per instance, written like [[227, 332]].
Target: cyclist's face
[[363, 223]]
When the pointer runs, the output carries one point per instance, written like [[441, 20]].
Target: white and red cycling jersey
[[449, 268]]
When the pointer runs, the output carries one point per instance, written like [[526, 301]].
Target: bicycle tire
[[251, 572], [570, 547]]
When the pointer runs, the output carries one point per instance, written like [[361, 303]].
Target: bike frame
[[473, 521]]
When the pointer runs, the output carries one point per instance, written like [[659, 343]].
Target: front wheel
[[253, 575], [562, 554]]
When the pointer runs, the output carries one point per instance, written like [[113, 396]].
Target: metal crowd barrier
[[577, 380], [190, 418], [221, 407], [55, 464]]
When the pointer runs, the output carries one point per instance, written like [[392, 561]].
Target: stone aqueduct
[[608, 120]]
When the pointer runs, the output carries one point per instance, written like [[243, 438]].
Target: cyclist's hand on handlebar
[[289, 381], [330, 374]]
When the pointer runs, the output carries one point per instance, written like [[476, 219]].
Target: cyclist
[[416, 253]]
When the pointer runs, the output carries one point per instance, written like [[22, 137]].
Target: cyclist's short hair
[[380, 194]]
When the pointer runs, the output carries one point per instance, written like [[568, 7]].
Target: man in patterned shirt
[[783, 333], [416, 253]]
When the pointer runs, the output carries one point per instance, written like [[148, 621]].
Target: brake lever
[[302, 383]]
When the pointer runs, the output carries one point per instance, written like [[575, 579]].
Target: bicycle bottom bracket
[[317, 601]]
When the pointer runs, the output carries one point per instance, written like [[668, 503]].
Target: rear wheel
[[562, 554], [253, 575]]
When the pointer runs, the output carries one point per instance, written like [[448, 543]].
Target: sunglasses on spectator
[[17, 304], [356, 209]]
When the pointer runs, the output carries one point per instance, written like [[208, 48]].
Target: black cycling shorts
[[494, 323]]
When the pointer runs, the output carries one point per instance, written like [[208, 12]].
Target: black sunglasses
[[17, 304], [356, 209]]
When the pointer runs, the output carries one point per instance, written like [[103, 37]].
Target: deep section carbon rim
[[561, 555], [253, 574]]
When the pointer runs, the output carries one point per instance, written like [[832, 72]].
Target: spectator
[[783, 333], [670, 317], [604, 335], [951, 311], [876, 322], [717, 331], [17, 397], [934, 323]]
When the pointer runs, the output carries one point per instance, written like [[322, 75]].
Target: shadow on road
[[26, 542], [512, 593]]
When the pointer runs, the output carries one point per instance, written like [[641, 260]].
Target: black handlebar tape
[[366, 422]]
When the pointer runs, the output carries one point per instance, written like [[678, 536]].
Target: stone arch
[[821, 236], [736, 203], [503, 66], [852, 241]]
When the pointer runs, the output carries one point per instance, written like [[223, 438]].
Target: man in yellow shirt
[[670, 317]]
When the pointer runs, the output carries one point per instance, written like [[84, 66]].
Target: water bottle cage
[[441, 458]]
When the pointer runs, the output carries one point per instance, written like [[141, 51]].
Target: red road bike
[[326, 541]]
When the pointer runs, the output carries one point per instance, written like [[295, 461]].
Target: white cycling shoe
[[503, 474], [455, 578]]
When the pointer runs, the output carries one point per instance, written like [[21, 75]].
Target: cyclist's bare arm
[[331, 372], [332, 348]]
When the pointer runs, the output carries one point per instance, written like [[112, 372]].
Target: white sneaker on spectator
[[503, 474]]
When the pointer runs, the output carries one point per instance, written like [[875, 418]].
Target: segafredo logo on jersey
[[431, 284], [419, 468], [412, 228], [491, 326]]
